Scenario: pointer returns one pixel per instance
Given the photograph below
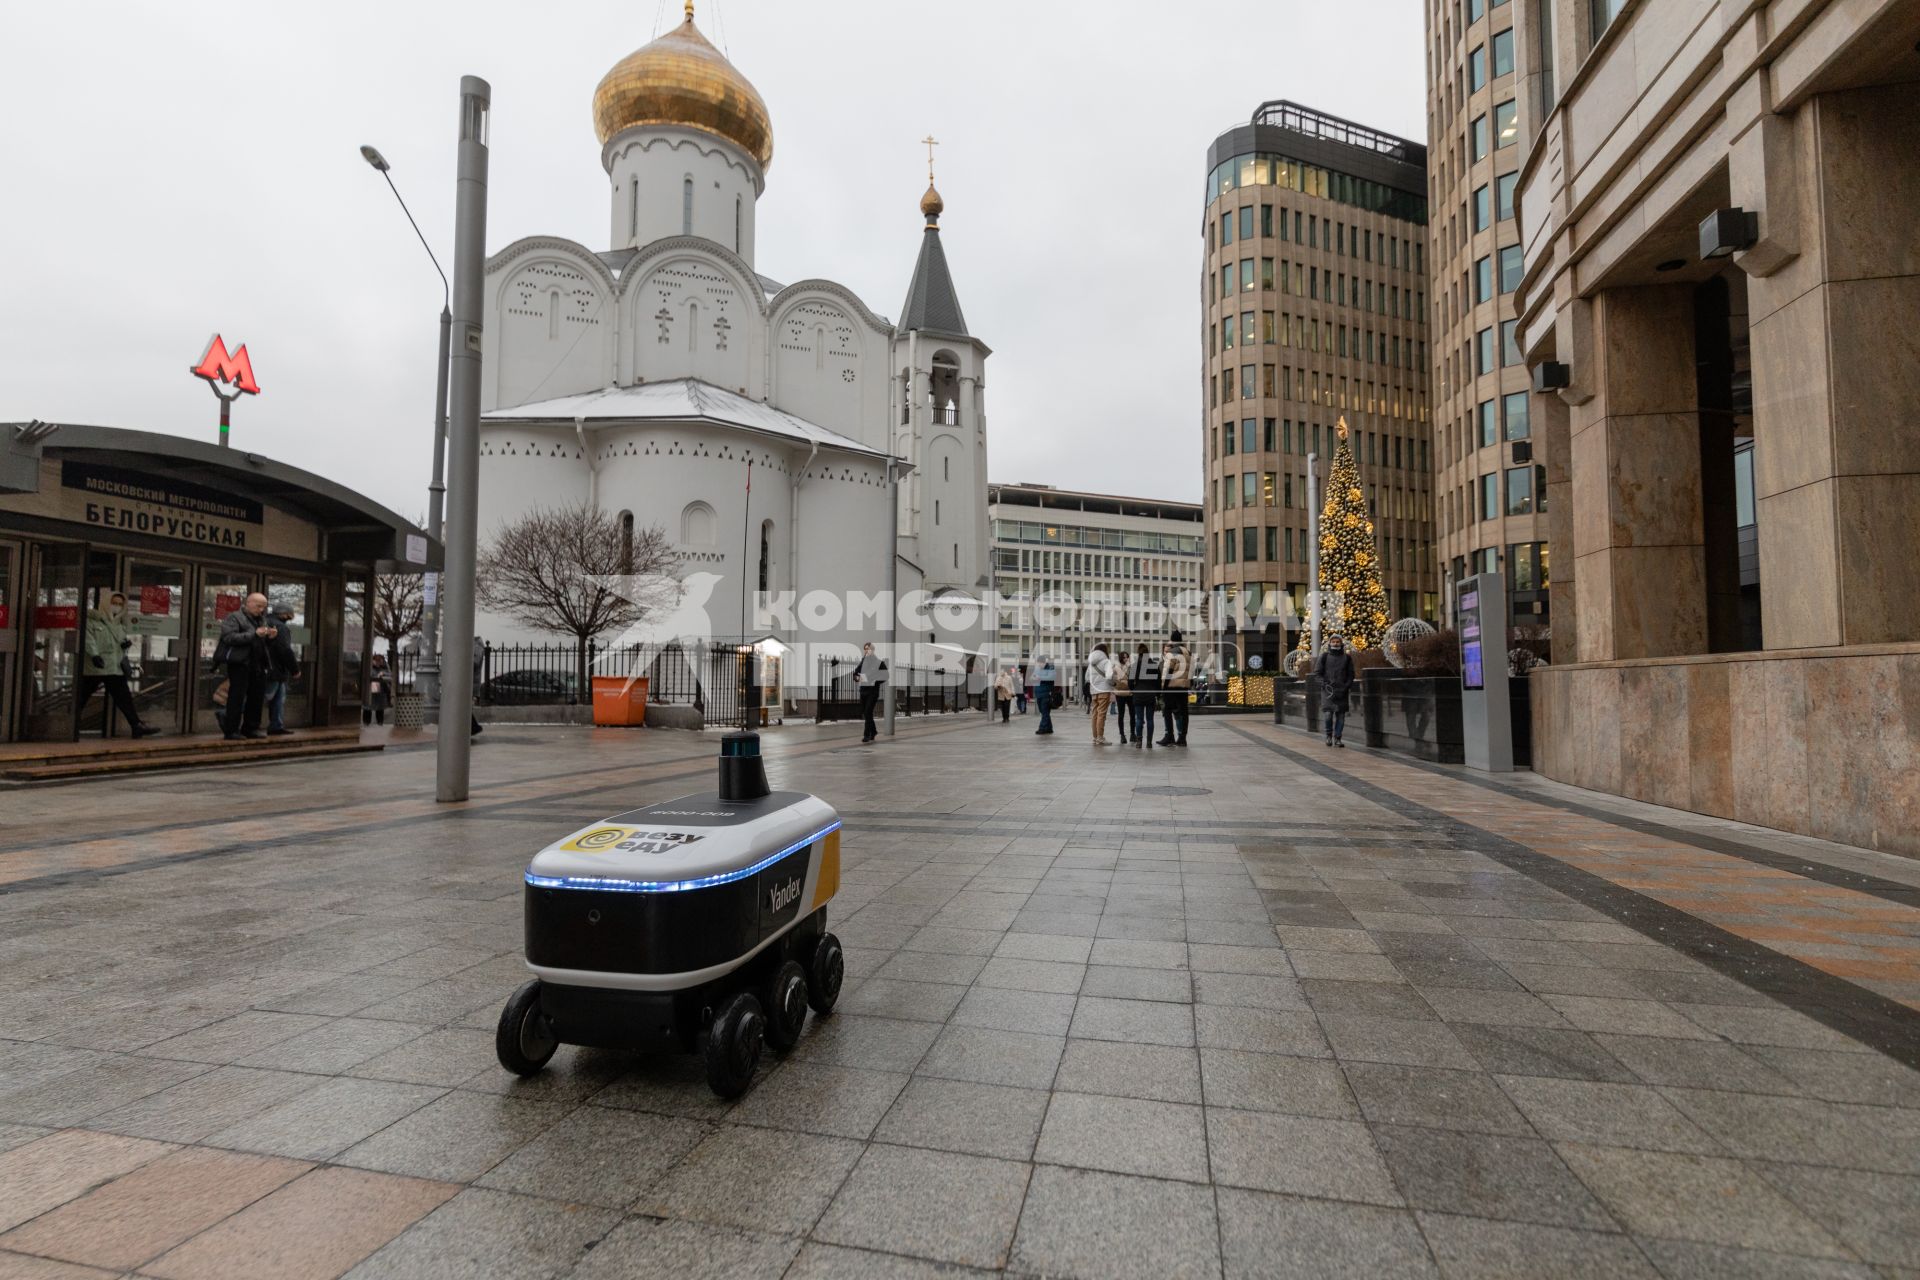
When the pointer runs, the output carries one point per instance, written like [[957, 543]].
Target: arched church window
[[936, 511], [686, 207], [736, 224], [633, 209], [626, 542], [946, 468], [696, 525], [766, 555]]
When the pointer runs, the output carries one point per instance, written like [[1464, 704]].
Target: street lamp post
[[463, 440], [1313, 555], [429, 672], [893, 584]]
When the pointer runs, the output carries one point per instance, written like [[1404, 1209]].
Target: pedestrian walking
[[1334, 670], [282, 665], [1176, 678], [1003, 687], [243, 648], [1099, 678], [1123, 692], [1145, 683], [479, 667], [379, 692], [1044, 692], [107, 663], [870, 677], [1026, 688]]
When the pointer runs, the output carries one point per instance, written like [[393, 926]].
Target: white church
[[655, 378]]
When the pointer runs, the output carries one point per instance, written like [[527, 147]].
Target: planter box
[[1420, 715]]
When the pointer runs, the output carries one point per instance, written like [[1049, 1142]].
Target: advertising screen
[[1472, 661]]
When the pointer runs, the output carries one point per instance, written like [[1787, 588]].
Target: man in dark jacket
[[283, 664], [1176, 680], [1043, 692], [870, 677], [246, 637], [1334, 670]]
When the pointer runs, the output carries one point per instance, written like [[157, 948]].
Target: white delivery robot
[[703, 914]]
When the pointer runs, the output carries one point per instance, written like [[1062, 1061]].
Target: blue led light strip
[[613, 885]]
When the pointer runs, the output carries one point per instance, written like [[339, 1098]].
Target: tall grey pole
[[429, 673], [1313, 554], [893, 584], [463, 439]]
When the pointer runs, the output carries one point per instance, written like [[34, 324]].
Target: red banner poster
[[6, 615], [224, 604], [156, 600], [56, 617]]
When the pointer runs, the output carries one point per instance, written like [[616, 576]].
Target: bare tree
[[577, 571], [399, 604]]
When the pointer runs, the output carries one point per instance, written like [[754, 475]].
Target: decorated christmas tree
[[1355, 606]]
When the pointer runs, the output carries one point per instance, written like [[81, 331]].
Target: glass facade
[[1264, 169]]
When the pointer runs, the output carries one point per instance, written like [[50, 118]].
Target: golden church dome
[[931, 205], [681, 79]]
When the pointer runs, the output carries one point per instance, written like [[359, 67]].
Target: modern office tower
[[1490, 485], [1718, 301], [1118, 568], [1314, 290]]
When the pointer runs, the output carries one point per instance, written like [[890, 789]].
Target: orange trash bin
[[620, 700]]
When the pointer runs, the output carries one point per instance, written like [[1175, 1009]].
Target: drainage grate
[[1173, 791]]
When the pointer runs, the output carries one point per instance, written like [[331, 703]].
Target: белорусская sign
[[162, 507]]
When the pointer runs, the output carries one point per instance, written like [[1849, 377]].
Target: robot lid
[[690, 842]]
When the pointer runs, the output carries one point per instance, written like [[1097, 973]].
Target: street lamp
[[429, 672]]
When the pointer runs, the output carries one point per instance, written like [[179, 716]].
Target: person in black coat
[[283, 664], [1334, 670], [245, 635]]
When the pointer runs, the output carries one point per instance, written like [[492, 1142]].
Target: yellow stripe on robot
[[828, 882]]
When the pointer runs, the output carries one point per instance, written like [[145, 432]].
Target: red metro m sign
[[219, 368]]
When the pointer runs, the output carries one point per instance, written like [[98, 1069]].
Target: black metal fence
[[915, 691], [708, 675]]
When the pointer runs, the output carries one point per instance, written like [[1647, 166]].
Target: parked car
[[530, 688]]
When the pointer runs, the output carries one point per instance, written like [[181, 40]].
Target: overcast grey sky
[[168, 170]]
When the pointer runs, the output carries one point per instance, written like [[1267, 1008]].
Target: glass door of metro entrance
[[221, 592], [157, 605]]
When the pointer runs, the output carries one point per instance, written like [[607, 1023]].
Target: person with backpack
[[1044, 693], [1176, 678], [1099, 678], [1145, 683]]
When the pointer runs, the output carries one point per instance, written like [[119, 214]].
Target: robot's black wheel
[[733, 1045], [524, 1041], [824, 973], [786, 1006]]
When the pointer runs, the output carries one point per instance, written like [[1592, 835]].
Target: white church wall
[[524, 469], [551, 324], [844, 544], [830, 361], [690, 314], [671, 182]]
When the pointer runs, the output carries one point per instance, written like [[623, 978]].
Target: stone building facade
[[1719, 301], [1313, 290]]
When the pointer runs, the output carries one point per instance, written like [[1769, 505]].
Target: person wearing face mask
[[107, 662]]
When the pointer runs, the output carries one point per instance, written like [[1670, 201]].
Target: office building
[[1115, 570], [1718, 298], [1489, 485], [1313, 289]]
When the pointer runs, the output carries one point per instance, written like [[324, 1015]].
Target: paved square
[[1328, 1013]]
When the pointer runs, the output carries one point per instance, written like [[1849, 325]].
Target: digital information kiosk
[[1484, 719]]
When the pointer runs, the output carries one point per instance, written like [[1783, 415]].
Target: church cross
[[931, 142]]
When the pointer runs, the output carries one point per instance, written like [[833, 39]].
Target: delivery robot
[[705, 914]]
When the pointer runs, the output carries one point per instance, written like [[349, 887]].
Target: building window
[[1483, 280], [633, 209], [1266, 220], [1250, 543], [1266, 490], [686, 207], [1226, 434], [1602, 13], [1226, 279], [1520, 491], [1503, 187], [1482, 205], [1271, 445], [1249, 439], [1246, 382], [1246, 223], [1476, 10], [1514, 406], [1483, 347], [1503, 52], [1266, 273], [1246, 275], [1478, 145], [736, 224], [766, 555], [1227, 323], [1266, 326], [1477, 69], [1509, 348], [1489, 427], [1510, 268], [1232, 544], [626, 543], [1490, 496], [1506, 124], [1226, 228], [1273, 543], [1743, 489]]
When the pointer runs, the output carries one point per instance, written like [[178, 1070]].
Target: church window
[[736, 224], [936, 511], [946, 468], [766, 555], [633, 209], [686, 207], [626, 542], [696, 525]]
